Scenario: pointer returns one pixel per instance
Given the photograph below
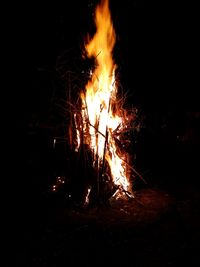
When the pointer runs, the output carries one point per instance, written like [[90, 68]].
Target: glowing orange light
[[101, 115]]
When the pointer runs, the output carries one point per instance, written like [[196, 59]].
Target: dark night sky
[[155, 50]]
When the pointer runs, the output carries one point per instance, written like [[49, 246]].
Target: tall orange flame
[[101, 117]]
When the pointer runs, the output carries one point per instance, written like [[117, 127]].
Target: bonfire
[[100, 126]]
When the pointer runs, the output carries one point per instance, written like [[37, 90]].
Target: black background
[[156, 52]]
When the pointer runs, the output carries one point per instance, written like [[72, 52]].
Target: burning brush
[[100, 125]]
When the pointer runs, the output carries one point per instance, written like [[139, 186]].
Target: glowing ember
[[103, 119], [59, 181], [87, 197]]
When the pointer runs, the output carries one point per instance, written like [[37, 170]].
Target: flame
[[100, 113]]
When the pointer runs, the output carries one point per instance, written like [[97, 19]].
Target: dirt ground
[[159, 227]]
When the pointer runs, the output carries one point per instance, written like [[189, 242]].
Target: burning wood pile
[[100, 126]]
